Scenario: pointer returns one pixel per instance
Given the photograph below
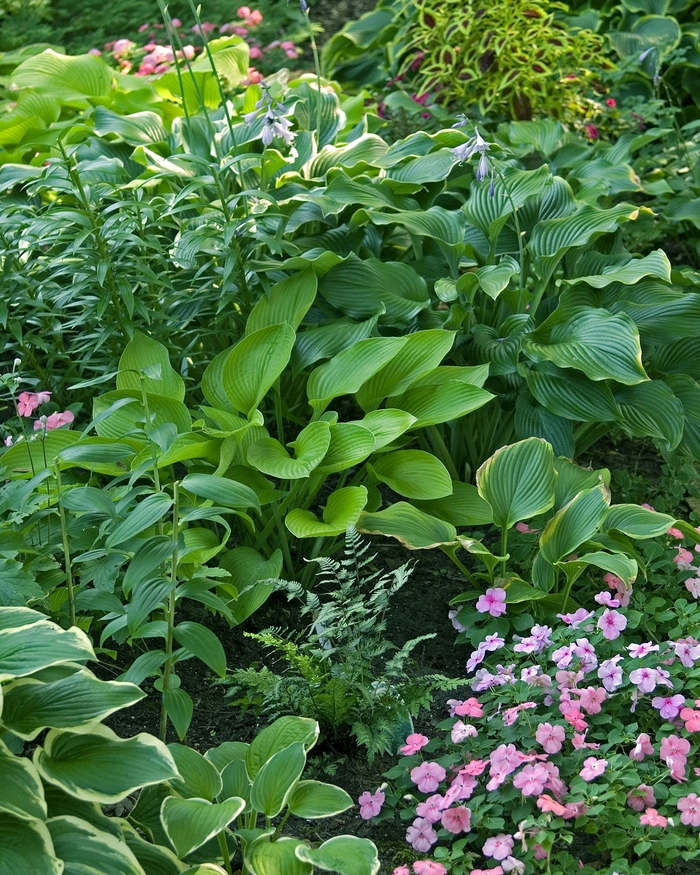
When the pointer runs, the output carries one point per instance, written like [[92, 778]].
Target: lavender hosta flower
[[476, 145], [276, 124]]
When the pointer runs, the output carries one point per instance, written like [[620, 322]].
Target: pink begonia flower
[[593, 768], [642, 748], [669, 707], [684, 559], [689, 806], [550, 737], [692, 584], [691, 718], [431, 810], [499, 847], [401, 870], [611, 673], [675, 533], [641, 798], [492, 602], [579, 742], [651, 817], [427, 777], [421, 836], [457, 819], [546, 804], [531, 780], [428, 867], [371, 804], [611, 623], [645, 679], [605, 598], [461, 731], [639, 651], [414, 743], [469, 708]]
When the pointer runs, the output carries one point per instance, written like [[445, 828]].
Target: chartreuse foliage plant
[[197, 811], [517, 58]]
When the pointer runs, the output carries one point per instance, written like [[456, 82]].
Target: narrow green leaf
[[203, 643]]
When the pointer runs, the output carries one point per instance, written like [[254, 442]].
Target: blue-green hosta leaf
[[465, 507], [518, 481], [574, 523], [277, 736], [660, 32], [312, 799], [651, 410], [688, 392], [264, 857], [139, 128], [347, 855], [500, 347], [431, 404], [30, 648], [475, 375], [231, 59], [276, 779], [86, 849], [493, 278], [655, 264], [571, 395], [361, 288], [367, 149], [311, 445], [421, 352], [572, 479], [254, 364], [433, 167], [490, 213], [22, 790], [436, 222], [198, 777], [637, 522], [552, 238], [342, 510], [235, 781], [27, 847], [288, 301], [102, 767], [591, 340], [413, 474], [661, 314], [190, 823], [534, 420], [412, 527], [65, 77], [544, 134], [72, 702]]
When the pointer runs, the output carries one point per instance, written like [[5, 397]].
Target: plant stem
[[442, 452], [66, 546], [223, 847], [317, 65], [504, 549], [167, 671]]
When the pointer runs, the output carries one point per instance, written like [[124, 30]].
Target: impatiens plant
[[572, 724]]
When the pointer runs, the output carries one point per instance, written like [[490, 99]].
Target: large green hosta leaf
[[591, 340], [413, 473], [146, 363], [518, 481], [311, 445], [254, 363], [432, 404], [287, 301], [22, 790], [347, 855], [26, 847], [575, 523], [342, 510], [64, 76], [651, 409], [571, 395], [31, 648], [87, 850], [190, 823], [489, 213], [412, 527], [655, 264]]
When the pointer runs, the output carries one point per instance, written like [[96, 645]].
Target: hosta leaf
[[342, 510], [493, 278], [413, 528], [312, 799], [311, 445], [198, 777], [440, 403], [591, 340], [465, 507], [655, 264], [534, 420], [265, 857], [22, 790], [64, 76], [347, 855], [518, 481], [572, 479], [277, 736], [288, 301], [574, 523], [328, 340], [254, 364], [145, 362], [103, 768], [27, 848], [131, 415], [490, 213], [651, 410], [637, 522], [190, 823], [79, 844], [276, 779], [413, 474], [33, 647], [426, 168], [386, 425], [138, 128], [622, 566], [350, 444], [571, 395], [435, 222], [688, 392]]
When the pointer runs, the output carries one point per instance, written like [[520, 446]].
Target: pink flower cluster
[[28, 402]]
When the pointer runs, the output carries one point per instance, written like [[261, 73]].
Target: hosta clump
[[590, 719], [339, 671]]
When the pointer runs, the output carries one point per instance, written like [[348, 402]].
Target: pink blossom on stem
[[461, 731], [675, 533], [457, 819], [499, 847], [591, 699], [639, 651], [548, 805], [645, 679], [651, 817], [492, 602], [550, 737], [689, 806], [593, 768], [431, 810], [605, 598], [684, 559], [469, 708], [669, 707], [673, 746], [421, 835], [642, 748], [427, 777], [401, 870], [579, 742], [641, 798], [428, 867], [531, 780], [612, 623], [692, 584], [414, 743], [611, 673], [371, 804]]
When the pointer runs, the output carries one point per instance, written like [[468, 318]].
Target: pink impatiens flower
[[531, 779], [421, 835], [684, 559], [550, 737], [431, 810], [689, 806], [470, 708], [669, 707], [492, 602], [427, 777], [612, 623], [641, 798], [642, 748], [414, 743], [499, 847], [692, 584], [457, 819], [593, 768], [651, 817], [371, 804], [546, 804], [461, 731], [428, 867], [646, 679]]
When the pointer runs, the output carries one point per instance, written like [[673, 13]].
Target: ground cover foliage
[[245, 323]]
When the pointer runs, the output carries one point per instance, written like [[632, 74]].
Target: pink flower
[[540, 853], [427, 777], [524, 529], [550, 737], [431, 810], [531, 780], [457, 819], [56, 420], [177, 22], [461, 788], [452, 615], [645, 505], [8, 441], [578, 617], [669, 707], [692, 584], [641, 798], [579, 742], [612, 623], [461, 731], [605, 598], [691, 718], [428, 867], [689, 806], [492, 602], [642, 748], [470, 708], [591, 131], [498, 847], [414, 743], [611, 102], [684, 559], [651, 817], [673, 746], [547, 804], [575, 718], [610, 673], [497, 870], [593, 768], [511, 864], [371, 804], [421, 835], [591, 699], [475, 767], [613, 580], [505, 759], [675, 533], [27, 403], [122, 46], [401, 870], [646, 679], [574, 809], [639, 651], [96, 52]]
